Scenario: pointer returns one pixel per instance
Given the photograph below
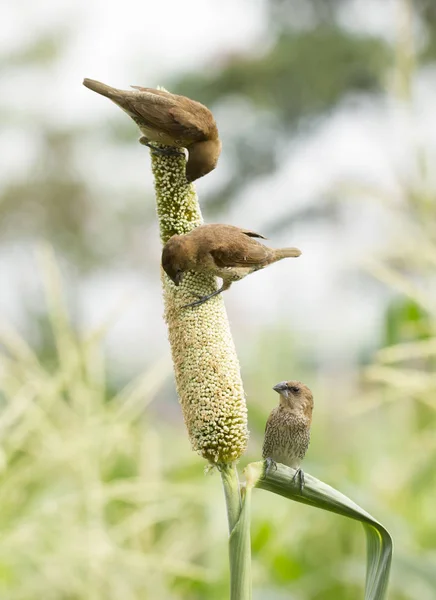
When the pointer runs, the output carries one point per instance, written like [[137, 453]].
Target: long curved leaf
[[320, 495]]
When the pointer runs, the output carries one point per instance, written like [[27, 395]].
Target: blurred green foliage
[[304, 74], [406, 321], [311, 63], [97, 504]]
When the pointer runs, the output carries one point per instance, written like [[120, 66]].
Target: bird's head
[[295, 395], [174, 258], [203, 158]]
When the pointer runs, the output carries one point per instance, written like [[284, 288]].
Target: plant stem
[[229, 477], [238, 514]]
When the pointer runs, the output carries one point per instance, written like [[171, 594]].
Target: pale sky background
[[319, 296]]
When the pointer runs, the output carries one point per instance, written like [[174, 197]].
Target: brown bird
[[223, 250], [287, 431], [171, 120]]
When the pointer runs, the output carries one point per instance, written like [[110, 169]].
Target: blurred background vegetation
[[101, 497]]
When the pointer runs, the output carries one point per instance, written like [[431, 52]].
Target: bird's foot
[[156, 150], [202, 299], [300, 474], [271, 465]]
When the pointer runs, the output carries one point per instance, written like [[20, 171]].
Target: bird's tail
[[102, 88], [120, 97], [286, 253]]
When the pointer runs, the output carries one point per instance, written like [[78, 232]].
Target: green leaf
[[320, 495]]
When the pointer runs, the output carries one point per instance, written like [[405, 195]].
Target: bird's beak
[[280, 387], [178, 278]]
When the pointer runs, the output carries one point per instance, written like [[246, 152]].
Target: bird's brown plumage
[[223, 250], [171, 120], [287, 431]]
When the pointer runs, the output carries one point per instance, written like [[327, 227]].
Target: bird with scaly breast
[[287, 431]]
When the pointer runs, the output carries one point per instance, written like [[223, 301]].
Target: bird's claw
[[201, 300], [300, 474], [156, 150], [271, 465]]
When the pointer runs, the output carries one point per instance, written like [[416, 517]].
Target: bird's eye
[[295, 389]]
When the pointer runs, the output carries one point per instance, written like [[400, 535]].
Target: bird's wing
[[194, 119], [186, 117], [154, 91], [234, 254], [268, 442], [154, 112], [253, 234]]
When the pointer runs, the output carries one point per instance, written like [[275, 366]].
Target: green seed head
[[206, 366]]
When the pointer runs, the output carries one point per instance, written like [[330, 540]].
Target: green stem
[[229, 477], [238, 514]]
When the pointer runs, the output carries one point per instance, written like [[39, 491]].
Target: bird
[[287, 431], [171, 120], [225, 251]]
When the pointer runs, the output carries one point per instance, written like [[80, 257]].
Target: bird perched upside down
[[222, 250], [170, 120], [287, 431]]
